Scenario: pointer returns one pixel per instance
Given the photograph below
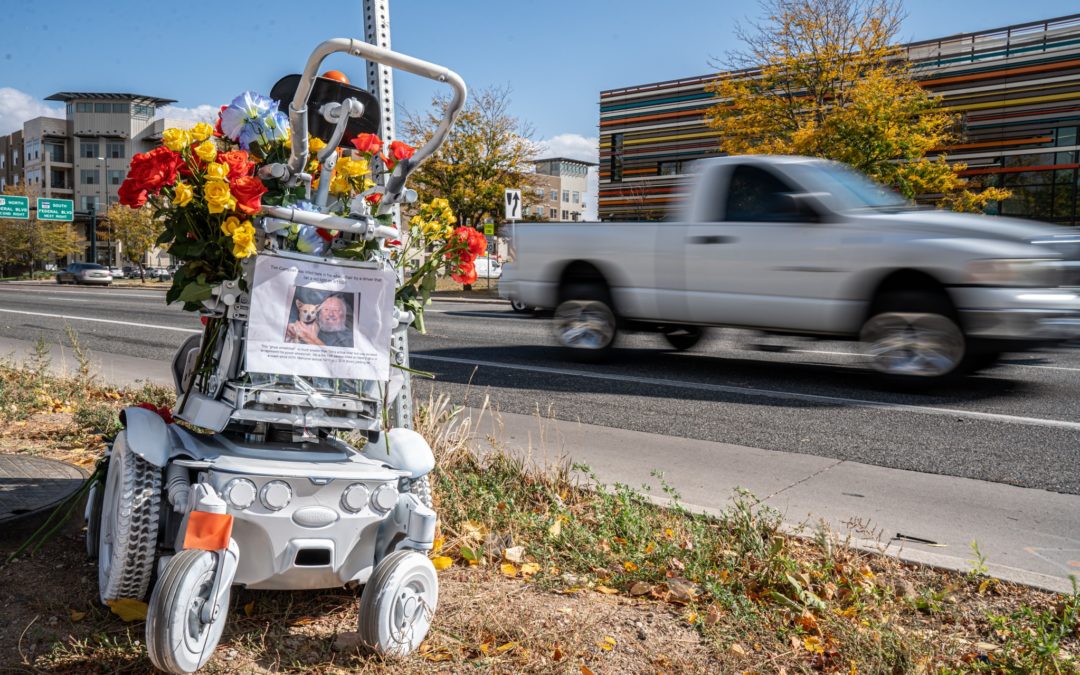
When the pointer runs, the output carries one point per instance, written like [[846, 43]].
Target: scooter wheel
[[178, 640], [127, 536], [398, 603]]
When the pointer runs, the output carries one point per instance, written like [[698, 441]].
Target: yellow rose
[[216, 171], [176, 139], [244, 242], [182, 194], [201, 131], [340, 185], [206, 151], [218, 197], [230, 225], [353, 168], [315, 143]]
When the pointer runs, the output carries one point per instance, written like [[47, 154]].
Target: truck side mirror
[[808, 206]]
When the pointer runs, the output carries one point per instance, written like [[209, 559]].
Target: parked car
[[482, 264], [794, 245], [116, 273], [84, 273], [160, 273]]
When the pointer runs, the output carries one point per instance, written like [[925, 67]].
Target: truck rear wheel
[[585, 323], [683, 337], [914, 338]]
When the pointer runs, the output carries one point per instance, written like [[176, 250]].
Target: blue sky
[[556, 55]]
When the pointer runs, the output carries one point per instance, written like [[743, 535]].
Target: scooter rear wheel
[[178, 640], [127, 540]]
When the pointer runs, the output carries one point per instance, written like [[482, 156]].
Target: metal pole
[[93, 234], [380, 81]]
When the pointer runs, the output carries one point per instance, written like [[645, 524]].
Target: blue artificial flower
[[245, 108]]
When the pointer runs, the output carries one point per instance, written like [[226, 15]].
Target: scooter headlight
[[275, 495], [240, 492], [354, 498]]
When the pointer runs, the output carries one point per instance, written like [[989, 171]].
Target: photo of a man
[[321, 318]]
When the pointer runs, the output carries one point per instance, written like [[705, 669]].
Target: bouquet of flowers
[[206, 189]]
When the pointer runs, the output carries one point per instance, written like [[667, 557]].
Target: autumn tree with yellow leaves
[[33, 243], [487, 151], [136, 230], [826, 78]]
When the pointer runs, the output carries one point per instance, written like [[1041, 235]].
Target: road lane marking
[[97, 293], [1003, 363], [86, 318], [767, 393]]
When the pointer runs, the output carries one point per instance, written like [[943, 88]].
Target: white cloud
[[585, 148], [17, 107], [200, 113]]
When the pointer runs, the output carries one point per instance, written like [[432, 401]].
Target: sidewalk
[[1028, 536]]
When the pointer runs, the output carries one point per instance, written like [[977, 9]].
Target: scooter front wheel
[[178, 638], [398, 603]]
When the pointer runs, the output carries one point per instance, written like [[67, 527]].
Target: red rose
[[477, 242], [248, 191], [217, 127], [239, 162], [149, 172], [367, 143], [131, 195], [400, 151], [466, 274], [326, 235], [374, 198], [162, 411]]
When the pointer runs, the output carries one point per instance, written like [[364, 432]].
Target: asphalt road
[[1017, 424]]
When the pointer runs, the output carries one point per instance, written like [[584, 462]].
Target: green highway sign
[[55, 209], [14, 207], [489, 229]]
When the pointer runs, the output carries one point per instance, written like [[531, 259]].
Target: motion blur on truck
[[807, 247]]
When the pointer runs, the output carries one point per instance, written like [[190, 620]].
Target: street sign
[[55, 209], [513, 204], [489, 229], [14, 207]]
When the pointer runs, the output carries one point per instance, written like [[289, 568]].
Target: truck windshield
[[852, 190]]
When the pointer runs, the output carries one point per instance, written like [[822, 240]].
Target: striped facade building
[[1016, 90]]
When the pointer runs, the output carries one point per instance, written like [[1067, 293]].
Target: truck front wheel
[[585, 323], [914, 337]]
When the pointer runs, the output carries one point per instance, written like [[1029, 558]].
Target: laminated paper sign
[[319, 320]]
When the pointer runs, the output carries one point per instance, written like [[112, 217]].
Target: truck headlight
[[1036, 272]]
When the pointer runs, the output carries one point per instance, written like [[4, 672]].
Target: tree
[[136, 230], [825, 78], [486, 152], [33, 242]]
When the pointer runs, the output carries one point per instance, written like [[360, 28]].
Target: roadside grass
[[544, 569]]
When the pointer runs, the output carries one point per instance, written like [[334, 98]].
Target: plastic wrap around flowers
[[203, 186]]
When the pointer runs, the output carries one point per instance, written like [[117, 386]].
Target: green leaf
[[195, 292]]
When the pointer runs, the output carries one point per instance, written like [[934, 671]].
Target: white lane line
[[769, 393], [1009, 365], [105, 294], [86, 318]]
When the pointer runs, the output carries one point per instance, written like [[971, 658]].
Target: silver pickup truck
[[802, 246]]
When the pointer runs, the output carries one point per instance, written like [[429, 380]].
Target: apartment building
[[564, 183]]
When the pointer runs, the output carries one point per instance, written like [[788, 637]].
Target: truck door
[[763, 261]]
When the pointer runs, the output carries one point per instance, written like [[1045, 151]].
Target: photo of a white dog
[[306, 324]]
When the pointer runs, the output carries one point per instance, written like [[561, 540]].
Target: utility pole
[[380, 82]]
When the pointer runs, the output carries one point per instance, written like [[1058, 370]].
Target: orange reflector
[[208, 531]]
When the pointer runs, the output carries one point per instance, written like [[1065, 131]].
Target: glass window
[[577, 197], [756, 195], [564, 215], [89, 203], [119, 107], [566, 195], [554, 214], [554, 196], [114, 150], [88, 150], [3, 159], [88, 176], [101, 107], [540, 192], [84, 107], [142, 110], [56, 178], [115, 177], [55, 151], [670, 168]]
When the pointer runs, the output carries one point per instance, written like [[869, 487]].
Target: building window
[[670, 168], [540, 192], [89, 203], [101, 107], [84, 107], [114, 150], [120, 107], [564, 216], [55, 151], [577, 197], [566, 195], [3, 159], [554, 214], [554, 195], [14, 158], [142, 110], [56, 178], [88, 150], [33, 150], [88, 176], [3, 183], [115, 177]]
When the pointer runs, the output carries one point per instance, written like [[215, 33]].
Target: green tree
[[34, 242], [136, 230], [826, 78], [487, 151]]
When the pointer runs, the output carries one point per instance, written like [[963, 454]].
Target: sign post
[[512, 199], [12, 206], [61, 210]]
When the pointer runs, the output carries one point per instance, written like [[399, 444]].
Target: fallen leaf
[[640, 588], [437, 545], [441, 562], [529, 569], [76, 615], [508, 570], [606, 590], [712, 617], [738, 649], [439, 654], [556, 654], [470, 529], [983, 586], [514, 554], [128, 609], [813, 645], [506, 647], [585, 671], [629, 566], [676, 564], [249, 608], [681, 591], [649, 548], [808, 622], [555, 530], [669, 533], [691, 618], [608, 643]]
